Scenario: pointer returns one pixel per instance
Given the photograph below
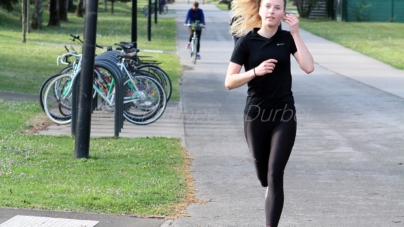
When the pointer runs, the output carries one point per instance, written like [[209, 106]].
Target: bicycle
[[142, 92], [134, 64], [145, 9], [194, 41]]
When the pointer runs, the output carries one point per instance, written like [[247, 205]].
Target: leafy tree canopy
[[8, 4]]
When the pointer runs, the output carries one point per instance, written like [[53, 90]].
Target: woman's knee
[[275, 178]]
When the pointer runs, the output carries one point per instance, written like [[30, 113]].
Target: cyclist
[[195, 15], [161, 7]]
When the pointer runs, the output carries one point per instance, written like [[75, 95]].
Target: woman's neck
[[267, 32]]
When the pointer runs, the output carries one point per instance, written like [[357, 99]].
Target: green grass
[[143, 176], [221, 6], [381, 41], [26, 66]]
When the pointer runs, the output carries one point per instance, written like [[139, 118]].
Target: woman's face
[[271, 12]]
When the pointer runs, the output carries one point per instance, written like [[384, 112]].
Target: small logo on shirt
[[280, 44]]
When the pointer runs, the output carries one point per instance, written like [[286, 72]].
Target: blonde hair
[[247, 14]]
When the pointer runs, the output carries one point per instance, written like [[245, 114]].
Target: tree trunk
[[71, 6], [27, 22], [24, 19], [79, 9], [106, 5], [54, 19], [85, 5], [36, 16], [112, 6], [63, 9]]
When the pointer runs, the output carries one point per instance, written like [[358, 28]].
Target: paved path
[[346, 168]]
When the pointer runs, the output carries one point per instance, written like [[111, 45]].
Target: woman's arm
[[235, 79], [302, 55]]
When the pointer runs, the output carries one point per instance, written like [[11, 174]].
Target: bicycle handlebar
[[63, 58], [198, 25], [81, 41]]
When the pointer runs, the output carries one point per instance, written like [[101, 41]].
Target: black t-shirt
[[274, 90]]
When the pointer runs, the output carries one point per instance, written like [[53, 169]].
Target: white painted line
[[33, 221], [153, 51]]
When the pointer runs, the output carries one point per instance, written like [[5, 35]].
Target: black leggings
[[270, 143], [198, 34]]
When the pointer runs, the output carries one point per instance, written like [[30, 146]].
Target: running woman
[[269, 115]]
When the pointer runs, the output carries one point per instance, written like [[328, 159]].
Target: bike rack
[[108, 61]]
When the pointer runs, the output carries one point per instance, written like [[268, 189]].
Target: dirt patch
[[37, 123], [180, 210], [185, 67]]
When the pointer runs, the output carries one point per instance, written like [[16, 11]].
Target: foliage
[[359, 11], [8, 4]]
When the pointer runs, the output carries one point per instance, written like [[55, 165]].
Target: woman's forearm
[[238, 79], [303, 55]]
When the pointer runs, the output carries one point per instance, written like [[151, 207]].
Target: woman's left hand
[[293, 22]]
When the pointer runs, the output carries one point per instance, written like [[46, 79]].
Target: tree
[[63, 9], [112, 5], [304, 7], [105, 5], [8, 4], [80, 10], [37, 15], [24, 16], [54, 19], [71, 6]]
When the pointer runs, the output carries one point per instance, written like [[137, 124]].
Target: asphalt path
[[346, 168], [347, 165]]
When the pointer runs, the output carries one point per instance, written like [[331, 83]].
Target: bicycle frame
[[194, 40]]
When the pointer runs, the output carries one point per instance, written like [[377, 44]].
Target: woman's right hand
[[265, 67]]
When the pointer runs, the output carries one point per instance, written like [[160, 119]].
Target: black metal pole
[[155, 10], [134, 22], [82, 142], [149, 21]]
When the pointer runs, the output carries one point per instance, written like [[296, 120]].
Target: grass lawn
[[142, 176], [26, 66], [381, 41], [221, 6]]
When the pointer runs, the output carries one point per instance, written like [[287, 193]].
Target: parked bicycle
[[144, 97]]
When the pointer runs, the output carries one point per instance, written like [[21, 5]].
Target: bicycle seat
[[127, 55], [126, 45]]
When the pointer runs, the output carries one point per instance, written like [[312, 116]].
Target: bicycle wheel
[[144, 100], [193, 57], [43, 88], [161, 76], [191, 51], [57, 99], [45, 84]]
